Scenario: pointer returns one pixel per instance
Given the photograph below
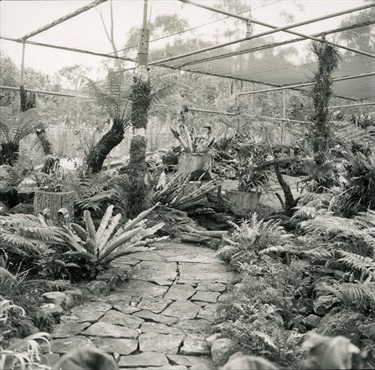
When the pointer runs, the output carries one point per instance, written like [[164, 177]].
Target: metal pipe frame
[[351, 105], [211, 111], [42, 92], [274, 30], [304, 84], [275, 44], [276, 119], [68, 49], [287, 28], [62, 19]]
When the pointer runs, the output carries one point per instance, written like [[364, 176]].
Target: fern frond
[[354, 293], [365, 265]]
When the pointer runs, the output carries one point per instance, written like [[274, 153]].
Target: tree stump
[[190, 162], [243, 201], [54, 201]]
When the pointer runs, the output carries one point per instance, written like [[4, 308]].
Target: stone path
[[161, 317]]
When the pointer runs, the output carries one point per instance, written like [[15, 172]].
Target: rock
[[324, 303], [215, 287], [68, 329], [345, 323], [304, 306], [221, 349], [139, 289], [154, 305], [195, 326], [368, 330], [150, 316], [103, 329], [195, 347], [182, 309], [145, 359], [3, 208], [54, 297], [119, 318], [126, 307], [205, 296], [49, 359], [235, 355], [180, 292], [117, 345], [153, 327], [202, 361], [161, 273], [312, 321], [53, 309], [320, 286], [91, 312], [209, 312], [162, 343], [121, 272], [212, 338], [226, 297], [23, 208], [97, 287], [213, 272], [66, 345], [69, 302]]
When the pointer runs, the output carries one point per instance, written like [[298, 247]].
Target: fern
[[365, 265], [354, 293]]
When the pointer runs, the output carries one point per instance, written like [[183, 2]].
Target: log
[[212, 234], [190, 162], [54, 201]]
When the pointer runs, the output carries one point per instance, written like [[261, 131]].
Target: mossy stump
[[190, 162], [54, 201], [243, 201]]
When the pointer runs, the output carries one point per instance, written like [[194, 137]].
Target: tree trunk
[[28, 101], [290, 202], [109, 141]]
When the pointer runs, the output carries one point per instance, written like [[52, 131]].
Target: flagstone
[[143, 360], [204, 361], [103, 329], [138, 289], [119, 318], [154, 305], [65, 345], [69, 329], [116, 345], [196, 326], [154, 327], [180, 292], [91, 312], [182, 310], [148, 315], [215, 272], [201, 295], [161, 273], [209, 312], [215, 287], [162, 343]]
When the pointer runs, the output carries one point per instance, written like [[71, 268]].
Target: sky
[[86, 31]]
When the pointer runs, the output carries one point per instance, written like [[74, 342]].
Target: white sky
[[85, 31]]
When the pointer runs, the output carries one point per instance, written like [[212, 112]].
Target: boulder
[[324, 304], [311, 321], [221, 349], [54, 297]]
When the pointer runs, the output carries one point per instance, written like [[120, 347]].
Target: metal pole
[[68, 49], [276, 119], [22, 63], [351, 105], [274, 30], [62, 19], [44, 92], [211, 111], [305, 84]]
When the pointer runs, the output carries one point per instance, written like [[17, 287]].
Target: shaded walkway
[[160, 317]]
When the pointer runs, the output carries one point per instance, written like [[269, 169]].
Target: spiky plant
[[321, 133]]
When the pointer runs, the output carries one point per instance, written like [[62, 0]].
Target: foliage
[[321, 134], [250, 238], [24, 353]]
